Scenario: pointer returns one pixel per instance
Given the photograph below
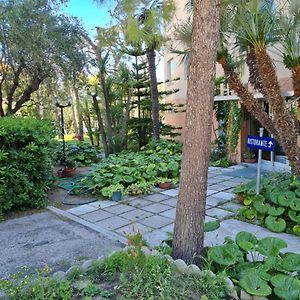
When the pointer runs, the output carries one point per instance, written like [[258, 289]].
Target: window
[[171, 69]]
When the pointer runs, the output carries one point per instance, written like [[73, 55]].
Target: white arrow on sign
[[270, 144]]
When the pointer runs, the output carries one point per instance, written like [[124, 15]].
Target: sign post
[[262, 144]]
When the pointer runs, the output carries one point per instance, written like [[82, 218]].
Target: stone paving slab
[[156, 197], [103, 203], [218, 213], [171, 213], [82, 209], [211, 192], [171, 193], [212, 201], [139, 202], [97, 215], [218, 187], [224, 195], [156, 221], [136, 227], [230, 183], [119, 209], [113, 222], [170, 202], [156, 208], [136, 214], [231, 206]]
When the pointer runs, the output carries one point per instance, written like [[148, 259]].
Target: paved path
[[153, 215], [44, 238]]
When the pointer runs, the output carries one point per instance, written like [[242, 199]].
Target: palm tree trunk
[[154, 93], [108, 114], [282, 117], [190, 212], [101, 126], [248, 101]]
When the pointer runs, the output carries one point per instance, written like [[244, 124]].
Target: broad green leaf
[[246, 240], [275, 225], [211, 226], [291, 262], [286, 198], [225, 255], [276, 211], [294, 216], [254, 285], [295, 204], [286, 287], [271, 246], [260, 207]]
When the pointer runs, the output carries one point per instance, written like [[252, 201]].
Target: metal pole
[[63, 134], [261, 133], [272, 154]]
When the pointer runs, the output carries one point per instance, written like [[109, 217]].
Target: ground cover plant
[[137, 172], [277, 207], [258, 266], [129, 274], [80, 153], [26, 160]]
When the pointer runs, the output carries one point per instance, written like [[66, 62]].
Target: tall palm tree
[[190, 212]]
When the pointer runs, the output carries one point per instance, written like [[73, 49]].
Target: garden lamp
[[62, 124]]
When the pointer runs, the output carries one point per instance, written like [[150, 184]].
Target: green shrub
[[26, 148], [80, 153], [278, 205], [137, 171]]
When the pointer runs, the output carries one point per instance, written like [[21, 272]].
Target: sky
[[90, 13]]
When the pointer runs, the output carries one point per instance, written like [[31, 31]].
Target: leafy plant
[[258, 266], [108, 191], [137, 171], [278, 205]]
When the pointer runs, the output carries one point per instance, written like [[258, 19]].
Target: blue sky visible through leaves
[[90, 13]]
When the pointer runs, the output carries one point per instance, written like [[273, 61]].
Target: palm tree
[[142, 23], [190, 212]]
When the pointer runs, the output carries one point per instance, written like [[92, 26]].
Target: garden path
[[153, 215]]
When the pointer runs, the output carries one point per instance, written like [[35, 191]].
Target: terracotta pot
[[66, 172], [250, 160], [240, 198], [165, 185]]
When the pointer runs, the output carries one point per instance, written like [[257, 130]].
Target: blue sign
[[263, 143]]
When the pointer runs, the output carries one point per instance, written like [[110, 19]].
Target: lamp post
[[62, 124]]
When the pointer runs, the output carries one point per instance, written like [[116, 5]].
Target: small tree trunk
[[154, 93], [190, 213], [296, 87], [126, 118], [101, 125]]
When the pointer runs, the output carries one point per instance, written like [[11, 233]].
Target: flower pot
[[116, 196], [165, 185], [250, 160], [240, 198], [66, 172]]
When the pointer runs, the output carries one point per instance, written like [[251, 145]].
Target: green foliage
[[81, 153], [278, 205], [137, 171], [26, 148], [271, 276], [32, 287]]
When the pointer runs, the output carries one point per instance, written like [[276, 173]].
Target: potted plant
[[164, 183], [138, 188], [114, 191], [68, 170], [249, 157]]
